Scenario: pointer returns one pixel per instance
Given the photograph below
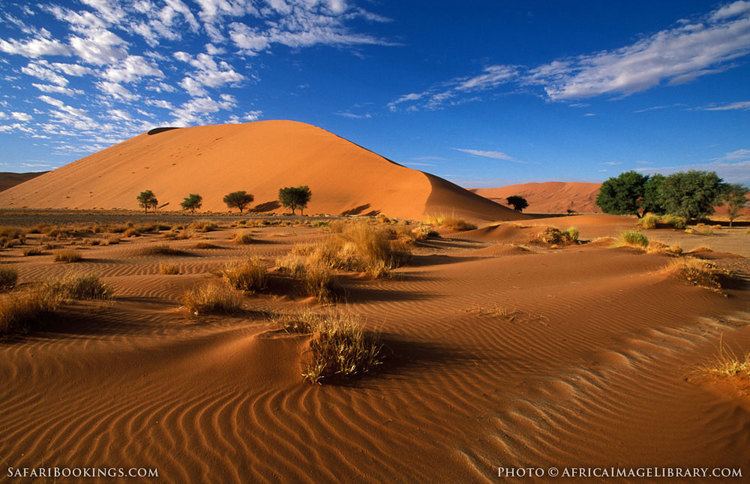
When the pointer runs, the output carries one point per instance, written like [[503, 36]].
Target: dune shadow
[[265, 207], [356, 293], [439, 260], [452, 243], [356, 210]]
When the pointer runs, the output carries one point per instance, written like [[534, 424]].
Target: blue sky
[[482, 93]]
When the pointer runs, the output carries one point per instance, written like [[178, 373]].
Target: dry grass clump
[[21, 311], [243, 238], [75, 286], [555, 236], [111, 241], [32, 251], [176, 235], [249, 275], [655, 247], [703, 229], [203, 226], [697, 272], [212, 297], [206, 245], [424, 232], [339, 348], [68, 255], [632, 238], [449, 222], [728, 364], [160, 249], [169, 269], [8, 278], [653, 221]]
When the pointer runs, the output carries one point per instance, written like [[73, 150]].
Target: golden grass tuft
[[76, 286], [449, 222], [212, 297], [655, 247], [160, 249], [249, 275], [68, 255], [21, 311], [555, 236], [339, 348], [632, 238], [203, 226], [653, 221], [8, 278], [169, 269], [243, 237], [727, 364], [697, 272]]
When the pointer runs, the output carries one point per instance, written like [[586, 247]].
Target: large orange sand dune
[[257, 157]]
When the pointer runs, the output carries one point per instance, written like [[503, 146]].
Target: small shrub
[[655, 247], [697, 272], [32, 251], [555, 236], [572, 234], [8, 278], [249, 275], [449, 222], [244, 237], [74, 286], [319, 281], [339, 347], [728, 364], [423, 232], [21, 311], [212, 297], [674, 221], [68, 255], [160, 249], [203, 226], [633, 238], [169, 269], [648, 221]]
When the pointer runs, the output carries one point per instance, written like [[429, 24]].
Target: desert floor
[[498, 353]]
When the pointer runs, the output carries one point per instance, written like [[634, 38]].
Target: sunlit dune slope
[[258, 157]]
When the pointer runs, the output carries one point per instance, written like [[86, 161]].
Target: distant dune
[[258, 157], [9, 179], [548, 197]]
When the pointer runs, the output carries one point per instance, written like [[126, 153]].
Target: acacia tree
[[192, 202], [691, 194], [517, 202], [651, 194], [295, 197], [623, 194], [147, 199], [735, 197], [239, 200]]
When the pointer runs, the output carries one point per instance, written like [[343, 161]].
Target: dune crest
[[258, 157]]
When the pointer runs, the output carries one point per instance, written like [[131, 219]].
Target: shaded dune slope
[[257, 157], [9, 179]]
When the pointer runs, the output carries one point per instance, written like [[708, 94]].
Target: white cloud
[[199, 109], [41, 45], [676, 55], [42, 70], [20, 116], [350, 115], [208, 73], [132, 68], [495, 155], [116, 91], [738, 106], [49, 88]]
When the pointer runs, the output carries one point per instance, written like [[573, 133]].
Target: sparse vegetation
[[202, 226], [339, 347], [698, 272], [727, 364], [32, 251], [653, 221], [735, 198], [295, 198], [192, 202], [238, 200], [249, 275], [243, 237], [555, 236], [75, 286], [212, 297], [517, 202], [449, 222], [160, 249], [68, 255], [169, 269], [8, 278], [147, 200], [21, 311], [632, 238]]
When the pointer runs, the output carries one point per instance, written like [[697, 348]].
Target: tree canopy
[[691, 194], [517, 202], [147, 199], [192, 202], [735, 197], [295, 197], [623, 194], [239, 200]]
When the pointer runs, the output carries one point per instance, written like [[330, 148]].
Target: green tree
[[517, 202], [691, 194], [295, 197], [623, 194], [192, 202], [735, 197], [651, 198], [239, 200], [147, 199]]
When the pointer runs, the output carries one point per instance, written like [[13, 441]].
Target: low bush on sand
[[212, 297], [424, 232], [702, 229], [21, 311], [243, 237], [8, 278], [76, 286], [169, 269], [632, 238], [249, 275], [449, 222], [339, 348], [555, 236], [160, 249], [728, 364], [203, 226], [655, 247], [697, 272], [653, 221], [68, 255]]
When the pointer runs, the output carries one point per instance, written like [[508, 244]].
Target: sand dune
[[576, 357], [258, 157], [9, 179], [548, 197]]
